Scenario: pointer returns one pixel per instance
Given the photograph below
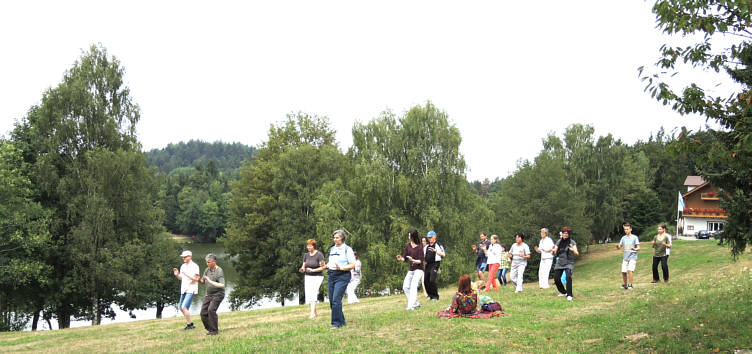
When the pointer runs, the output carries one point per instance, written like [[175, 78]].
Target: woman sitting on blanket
[[465, 301]]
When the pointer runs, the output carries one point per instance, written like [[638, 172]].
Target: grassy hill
[[706, 307]]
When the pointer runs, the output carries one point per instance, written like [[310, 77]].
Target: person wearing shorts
[[631, 244], [189, 275], [481, 264]]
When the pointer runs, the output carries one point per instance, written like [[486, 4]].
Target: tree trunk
[[63, 317], [97, 320], [35, 321], [160, 307]]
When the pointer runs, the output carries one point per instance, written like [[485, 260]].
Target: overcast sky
[[507, 73]]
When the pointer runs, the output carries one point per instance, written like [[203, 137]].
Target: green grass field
[[706, 307]]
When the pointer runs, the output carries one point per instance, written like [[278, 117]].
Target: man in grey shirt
[[214, 278]]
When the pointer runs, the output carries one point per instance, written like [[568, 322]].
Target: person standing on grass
[[631, 244], [313, 267], [661, 243], [413, 254], [504, 267], [545, 246], [565, 251], [341, 261], [423, 243], [493, 252], [355, 276], [481, 264], [433, 253], [214, 278], [189, 275], [519, 253]]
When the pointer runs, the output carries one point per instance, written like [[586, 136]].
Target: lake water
[[200, 250]]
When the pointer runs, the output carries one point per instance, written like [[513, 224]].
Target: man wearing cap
[[433, 251], [214, 278], [189, 276]]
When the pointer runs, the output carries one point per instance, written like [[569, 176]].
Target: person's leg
[[664, 267], [406, 289], [543, 272], [513, 273], [213, 318], [185, 306], [557, 281], [340, 285], [569, 282], [432, 270], [520, 276], [479, 269], [630, 271], [655, 269], [330, 282], [205, 313], [491, 282], [414, 283], [624, 273], [503, 276]]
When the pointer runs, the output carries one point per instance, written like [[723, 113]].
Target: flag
[[681, 203]]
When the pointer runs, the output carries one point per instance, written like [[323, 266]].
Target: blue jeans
[[185, 301], [338, 281], [502, 275]]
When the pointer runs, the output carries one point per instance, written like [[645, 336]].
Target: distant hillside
[[226, 156]]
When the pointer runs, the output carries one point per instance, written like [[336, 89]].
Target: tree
[[24, 238], [723, 45], [271, 210], [86, 163]]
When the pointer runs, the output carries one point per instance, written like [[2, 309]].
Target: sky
[[506, 73]]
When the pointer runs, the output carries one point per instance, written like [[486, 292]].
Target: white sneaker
[[560, 295], [569, 298]]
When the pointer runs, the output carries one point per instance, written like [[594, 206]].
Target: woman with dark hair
[[341, 260], [565, 250], [465, 301], [662, 244], [519, 253], [413, 253], [313, 267]]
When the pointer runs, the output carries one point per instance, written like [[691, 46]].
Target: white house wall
[[698, 224]]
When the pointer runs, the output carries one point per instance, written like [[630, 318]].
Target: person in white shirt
[[493, 254], [545, 246], [355, 277], [519, 253], [341, 261], [189, 276]]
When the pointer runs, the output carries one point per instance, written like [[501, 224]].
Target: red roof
[[693, 181]]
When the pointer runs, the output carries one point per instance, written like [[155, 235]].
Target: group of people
[[424, 257], [189, 277], [630, 242], [344, 274], [493, 257]]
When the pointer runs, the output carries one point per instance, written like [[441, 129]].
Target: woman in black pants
[[565, 250]]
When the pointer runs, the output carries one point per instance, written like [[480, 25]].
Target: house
[[702, 209]]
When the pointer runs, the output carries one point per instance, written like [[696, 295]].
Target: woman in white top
[[493, 252], [545, 246]]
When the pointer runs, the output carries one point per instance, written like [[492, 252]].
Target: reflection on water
[[200, 250]]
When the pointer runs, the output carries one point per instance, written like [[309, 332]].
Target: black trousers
[[559, 285], [432, 273], [209, 312], [664, 265]]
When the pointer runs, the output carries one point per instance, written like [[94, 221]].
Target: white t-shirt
[[668, 250], [188, 285], [546, 243], [515, 251], [342, 256], [494, 254]]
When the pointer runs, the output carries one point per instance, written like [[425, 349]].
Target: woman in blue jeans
[[341, 260]]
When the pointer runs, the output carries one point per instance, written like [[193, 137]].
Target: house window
[[715, 226]]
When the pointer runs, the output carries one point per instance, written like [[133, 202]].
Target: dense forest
[[195, 185], [83, 212]]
